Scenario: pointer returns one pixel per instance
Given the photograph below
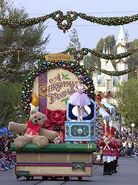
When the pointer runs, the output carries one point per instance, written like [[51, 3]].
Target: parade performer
[[79, 98], [117, 146], [106, 146], [110, 146]]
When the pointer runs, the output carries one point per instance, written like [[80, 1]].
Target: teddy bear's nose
[[35, 120]]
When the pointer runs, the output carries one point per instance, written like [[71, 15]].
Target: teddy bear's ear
[[33, 112]]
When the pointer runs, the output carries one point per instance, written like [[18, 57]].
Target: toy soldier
[[115, 142], [107, 148], [117, 149]]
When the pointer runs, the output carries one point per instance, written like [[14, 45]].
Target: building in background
[[108, 84]]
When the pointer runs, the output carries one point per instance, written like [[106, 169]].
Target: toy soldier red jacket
[[106, 147], [116, 147]]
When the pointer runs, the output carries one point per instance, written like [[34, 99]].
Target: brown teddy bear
[[32, 131]]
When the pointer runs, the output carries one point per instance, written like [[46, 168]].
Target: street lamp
[[132, 125]]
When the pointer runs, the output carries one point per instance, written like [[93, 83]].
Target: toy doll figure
[[79, 98]]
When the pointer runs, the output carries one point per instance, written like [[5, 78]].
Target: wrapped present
[[56, 121]]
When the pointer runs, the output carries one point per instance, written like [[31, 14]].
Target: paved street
[[127, 174]]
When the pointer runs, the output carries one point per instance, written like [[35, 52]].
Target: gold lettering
[[59, 57], [53, 97]]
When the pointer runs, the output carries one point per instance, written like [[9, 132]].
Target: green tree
[[10, 102], [127, 98], [133, 59], [88, 63], [74, 40], [30, 38], [108, 43]]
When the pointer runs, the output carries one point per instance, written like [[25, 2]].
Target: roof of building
[[122, 36]]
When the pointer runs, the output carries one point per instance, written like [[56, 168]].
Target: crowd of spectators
[[129, 144], [129, 148], [7, 157]]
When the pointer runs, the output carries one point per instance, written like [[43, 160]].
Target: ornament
[[35, 101]]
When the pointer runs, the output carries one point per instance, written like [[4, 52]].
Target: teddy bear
[[32, 131]]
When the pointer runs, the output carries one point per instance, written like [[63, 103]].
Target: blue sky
[[89, 34]]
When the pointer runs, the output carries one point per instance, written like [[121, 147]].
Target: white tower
[[121, 45], [104, 61]]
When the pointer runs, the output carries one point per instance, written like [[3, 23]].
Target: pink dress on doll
[[79, 98]]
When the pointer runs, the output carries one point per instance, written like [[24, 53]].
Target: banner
[[54, 88]]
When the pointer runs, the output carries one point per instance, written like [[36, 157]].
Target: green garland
[[109, 21], [64, 22], [23, 23], [77, 54], [6, 53], [5, 70], [114, 73], [43, 67], [23, 51]]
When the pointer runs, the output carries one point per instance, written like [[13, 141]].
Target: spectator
[[130, 148], [7, 159]]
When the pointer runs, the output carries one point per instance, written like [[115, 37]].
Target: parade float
[[47, 90]]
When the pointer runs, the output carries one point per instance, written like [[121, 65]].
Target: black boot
[[115, 166], [109, 168], [105, 171], [112, 166]]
